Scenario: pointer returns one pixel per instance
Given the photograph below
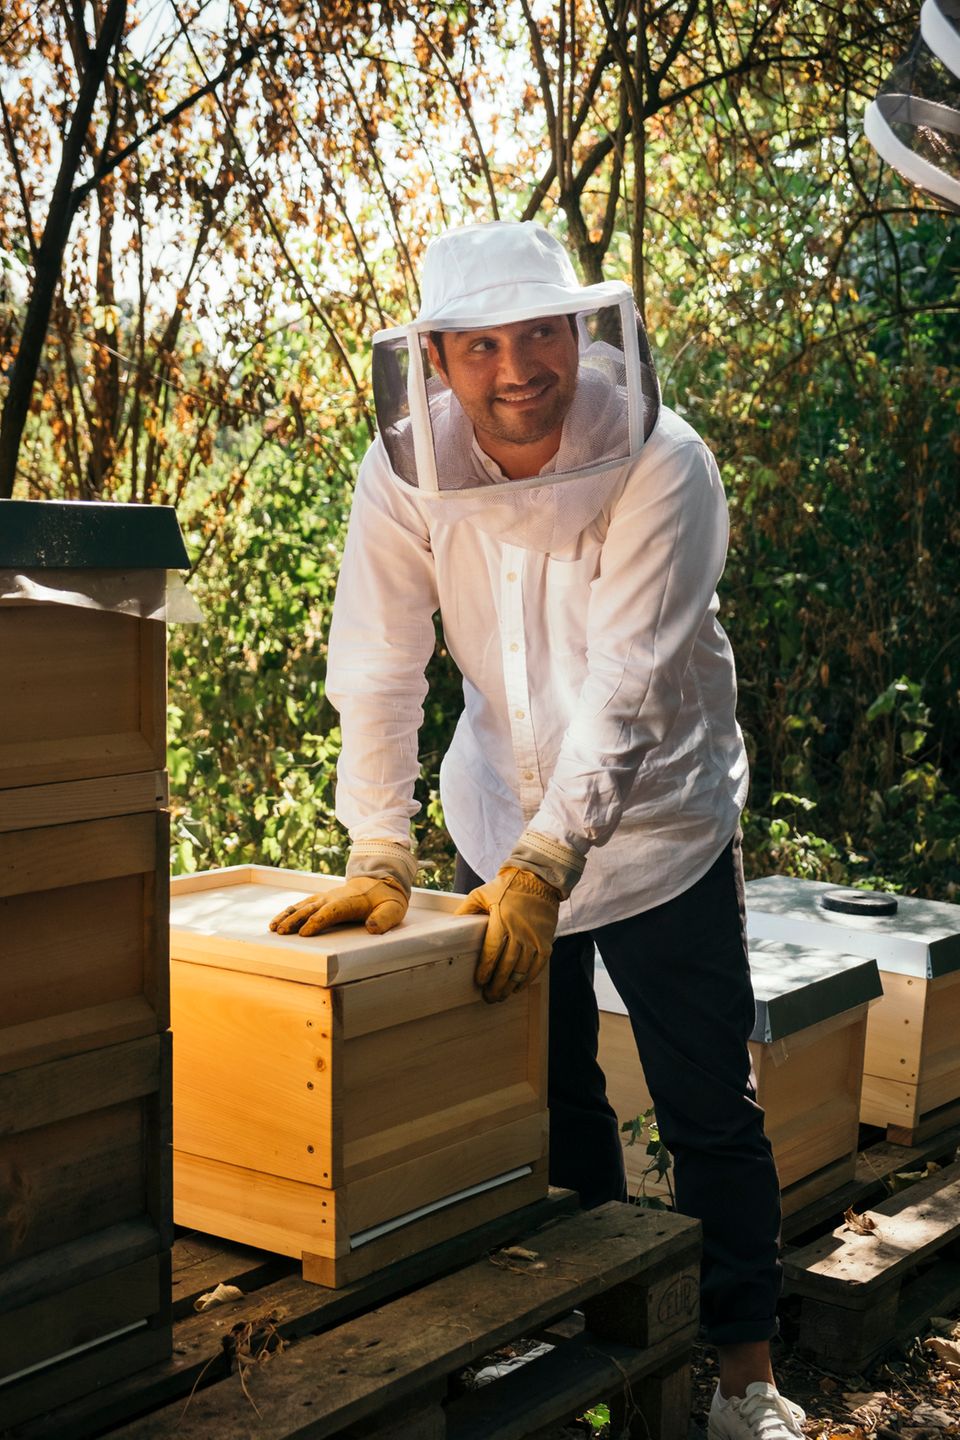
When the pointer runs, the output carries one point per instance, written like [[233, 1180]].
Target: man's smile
[[530, 393]]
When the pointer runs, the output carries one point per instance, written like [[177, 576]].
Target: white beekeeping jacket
[[599, 688]]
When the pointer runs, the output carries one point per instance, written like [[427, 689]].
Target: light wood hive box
[[85, 1064], [807, 1052], [347, 1099], [911, 1067]]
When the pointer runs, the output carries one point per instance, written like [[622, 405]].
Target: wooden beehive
[[911, 1068], [85, 1065], [349, 1098], [807, 1052]]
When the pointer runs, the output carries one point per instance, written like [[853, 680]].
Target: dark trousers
[[681, 970]]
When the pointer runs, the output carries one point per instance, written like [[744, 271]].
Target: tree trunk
[[56, 233]]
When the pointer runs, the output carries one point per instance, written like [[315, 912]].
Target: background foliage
[[248, 196]]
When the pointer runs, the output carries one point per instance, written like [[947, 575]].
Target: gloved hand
[[380, 875], [523, 920]]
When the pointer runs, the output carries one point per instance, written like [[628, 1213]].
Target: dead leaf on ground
[[903, 1179], [517, 1252], [932, 1415], [946, 1326], [222, 1295], [946, 1351], [867, 1407], [859, 1224]]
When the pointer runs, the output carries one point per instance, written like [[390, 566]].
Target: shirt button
[[514, 647], [520, 714], [512, 575], [528, 774]]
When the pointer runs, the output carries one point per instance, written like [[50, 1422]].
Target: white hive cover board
[[922, 938], [794, 986], [222, 918]]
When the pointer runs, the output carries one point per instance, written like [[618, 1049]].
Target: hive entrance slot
[[363, 1237]]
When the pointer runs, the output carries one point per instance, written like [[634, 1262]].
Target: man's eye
[[481, 347]]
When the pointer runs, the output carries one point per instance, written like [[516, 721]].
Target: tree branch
[[242, 57], [18, 171], [468, 114]]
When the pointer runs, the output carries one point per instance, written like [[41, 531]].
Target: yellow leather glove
[[523, 921], [378, 903], [380, 875]]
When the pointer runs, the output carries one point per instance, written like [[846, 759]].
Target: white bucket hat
[[510, 271]]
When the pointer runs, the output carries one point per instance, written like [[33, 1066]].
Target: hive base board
[[302, 1221], [927, 1126], [430, 1230]]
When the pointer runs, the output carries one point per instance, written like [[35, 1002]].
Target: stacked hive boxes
[[347, 1098], [911, 1069], [807, 1050], [85, 1205]]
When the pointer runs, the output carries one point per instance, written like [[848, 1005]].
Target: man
[[527, 483]]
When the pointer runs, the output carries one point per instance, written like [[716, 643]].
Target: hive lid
[[89, 535], [922, 937], [794, 987], [221, 917]]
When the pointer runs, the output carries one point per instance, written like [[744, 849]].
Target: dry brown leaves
[[860, 1224]]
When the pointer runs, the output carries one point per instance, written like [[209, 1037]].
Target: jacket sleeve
[[662, 558], [381, 638]]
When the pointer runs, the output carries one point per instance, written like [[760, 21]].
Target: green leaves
[[643, 1129]]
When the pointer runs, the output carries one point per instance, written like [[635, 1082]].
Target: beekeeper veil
[[584, 370], [914, 123]]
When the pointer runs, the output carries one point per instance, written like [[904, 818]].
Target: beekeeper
[[528, 484]]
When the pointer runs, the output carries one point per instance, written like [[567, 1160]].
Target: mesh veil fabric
[[914, 123], [600, 436], [547, 512]]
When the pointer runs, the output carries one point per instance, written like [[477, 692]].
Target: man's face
[[515, 382]]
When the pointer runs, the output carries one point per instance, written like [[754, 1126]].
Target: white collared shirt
[[599, 687]]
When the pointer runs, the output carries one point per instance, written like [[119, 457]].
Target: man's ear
[[436, 359]]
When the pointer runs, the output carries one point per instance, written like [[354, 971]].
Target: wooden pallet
[[861, 1292], [346, 1369]]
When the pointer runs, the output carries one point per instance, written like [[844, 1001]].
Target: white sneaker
[[762, 1414]]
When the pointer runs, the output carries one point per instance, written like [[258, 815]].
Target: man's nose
[[517, 366]]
